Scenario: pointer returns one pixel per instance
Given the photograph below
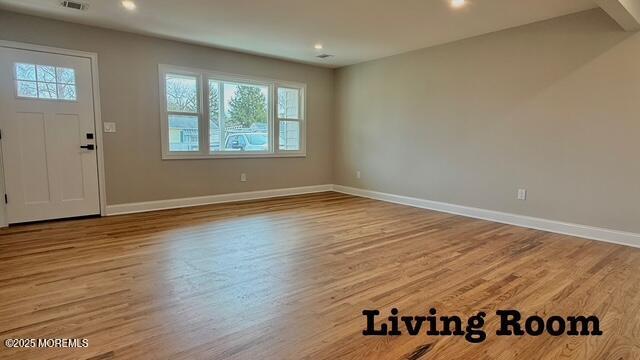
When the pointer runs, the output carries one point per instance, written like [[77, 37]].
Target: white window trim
[[302, 115], [203, 77]]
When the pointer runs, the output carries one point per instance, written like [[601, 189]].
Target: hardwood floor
[[289, 278]]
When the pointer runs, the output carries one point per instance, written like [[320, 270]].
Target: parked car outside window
[[247, 142]]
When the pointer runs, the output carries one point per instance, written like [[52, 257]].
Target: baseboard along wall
[[583, 231]]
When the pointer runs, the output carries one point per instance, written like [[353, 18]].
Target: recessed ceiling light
[[458, 3], [318, 46], [129, 5]]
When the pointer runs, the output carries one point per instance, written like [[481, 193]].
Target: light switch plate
[[109, 127]]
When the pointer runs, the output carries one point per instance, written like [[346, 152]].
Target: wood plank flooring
[[288, 278]]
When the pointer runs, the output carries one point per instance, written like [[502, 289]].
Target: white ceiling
[[352, 30]]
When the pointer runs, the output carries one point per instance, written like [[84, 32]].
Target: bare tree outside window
[[182, 93]]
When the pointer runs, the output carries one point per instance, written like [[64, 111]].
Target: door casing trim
[[97, 116]]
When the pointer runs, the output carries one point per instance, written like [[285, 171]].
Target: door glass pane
[[66, 76], [290, 135], [47, 91], [25, 72], [182, 93], [245, 113], [183, 133], [67, 91], [46, 73], [288, 103], [27, 89]]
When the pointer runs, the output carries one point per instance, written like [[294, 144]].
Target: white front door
[[48, 136]]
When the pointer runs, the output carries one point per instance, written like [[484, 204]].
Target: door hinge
[[6, 199], [0, 134]]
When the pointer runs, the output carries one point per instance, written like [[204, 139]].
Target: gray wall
[[129, 94], [553, 107]]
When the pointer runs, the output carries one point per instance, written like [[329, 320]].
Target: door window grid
[[45, 82]]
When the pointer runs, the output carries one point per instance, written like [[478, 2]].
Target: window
[[183, 111], [289, 117], [239, 111], [45, 82], [239, 118]]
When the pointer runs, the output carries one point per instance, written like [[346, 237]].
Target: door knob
[[88, 147]]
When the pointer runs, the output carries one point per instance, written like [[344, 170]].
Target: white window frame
[[203, 77], [166, 153], [301, 120]]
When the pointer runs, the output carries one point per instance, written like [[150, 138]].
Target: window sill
[[232, 156]]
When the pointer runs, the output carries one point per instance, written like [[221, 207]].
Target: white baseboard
[[132, 208], [588, 232]]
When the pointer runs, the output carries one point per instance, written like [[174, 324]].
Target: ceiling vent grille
[[324, 56], [74, 5]]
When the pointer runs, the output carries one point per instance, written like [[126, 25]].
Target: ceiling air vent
[[74, 5], [324, 56]]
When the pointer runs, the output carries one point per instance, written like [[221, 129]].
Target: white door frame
[[93, 57]]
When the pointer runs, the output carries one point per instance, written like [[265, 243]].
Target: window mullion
[[222, 112], [204, 115], [183, 113], [275, 123], [290, 120]]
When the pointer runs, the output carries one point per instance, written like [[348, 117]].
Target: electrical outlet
[[243, 177], [109, 127], [522, 194], [358, 175]]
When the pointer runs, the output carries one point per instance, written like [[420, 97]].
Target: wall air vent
[[324, 56], [74, 5]]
